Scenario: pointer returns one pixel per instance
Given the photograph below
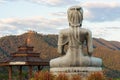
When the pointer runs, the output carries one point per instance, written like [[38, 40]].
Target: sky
[[102, 17]]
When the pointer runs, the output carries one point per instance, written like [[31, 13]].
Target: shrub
[[43, 76], [96, 76], [76, 77], [62, 77]]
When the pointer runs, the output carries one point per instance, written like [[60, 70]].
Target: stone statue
[[75, 37]]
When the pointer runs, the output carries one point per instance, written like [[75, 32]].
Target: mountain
[[109, 51]]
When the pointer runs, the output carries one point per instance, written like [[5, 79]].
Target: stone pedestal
[[70, 71]]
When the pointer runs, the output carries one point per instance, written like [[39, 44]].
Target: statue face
[[75, 16]]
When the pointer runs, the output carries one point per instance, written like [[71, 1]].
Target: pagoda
[[24, 57]]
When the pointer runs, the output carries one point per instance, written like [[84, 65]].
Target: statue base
[[69, 71]]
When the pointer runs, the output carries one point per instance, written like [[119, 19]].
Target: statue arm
[[61, 43], [89, 43]]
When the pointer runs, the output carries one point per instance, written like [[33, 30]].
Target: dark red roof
[[24, 56]]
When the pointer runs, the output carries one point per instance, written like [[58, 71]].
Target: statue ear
[[80, 24], [69, 24], [81, 10]]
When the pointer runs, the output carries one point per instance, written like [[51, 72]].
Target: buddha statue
[[75, 37]]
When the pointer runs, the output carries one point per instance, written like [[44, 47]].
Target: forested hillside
[[109, 51]]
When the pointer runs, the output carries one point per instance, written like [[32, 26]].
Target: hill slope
[[109, 51]]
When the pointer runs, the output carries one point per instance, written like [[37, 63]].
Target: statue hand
[[59, 50], [63, 52], [90, 54]]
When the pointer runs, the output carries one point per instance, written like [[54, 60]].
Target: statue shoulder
[[64, 31], [86, 30]]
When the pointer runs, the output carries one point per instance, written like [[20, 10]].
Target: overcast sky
[[102, 17]]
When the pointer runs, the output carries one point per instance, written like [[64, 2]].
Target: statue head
[[75, 16]]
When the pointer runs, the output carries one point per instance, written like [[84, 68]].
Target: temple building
[[23, 57]]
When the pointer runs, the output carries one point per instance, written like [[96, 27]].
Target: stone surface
[[84, 72], [75, 69], [74, 61], [75, 37]]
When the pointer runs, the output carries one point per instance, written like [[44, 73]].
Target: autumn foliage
[[46, 45], [48, 76], [43, 76], [96, 76]]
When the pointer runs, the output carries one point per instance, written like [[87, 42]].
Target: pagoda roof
[[23, 61], [24, 57]]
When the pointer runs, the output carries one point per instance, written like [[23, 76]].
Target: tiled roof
[[24, 54]]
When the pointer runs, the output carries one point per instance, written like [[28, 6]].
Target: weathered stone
[[74, 60]]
